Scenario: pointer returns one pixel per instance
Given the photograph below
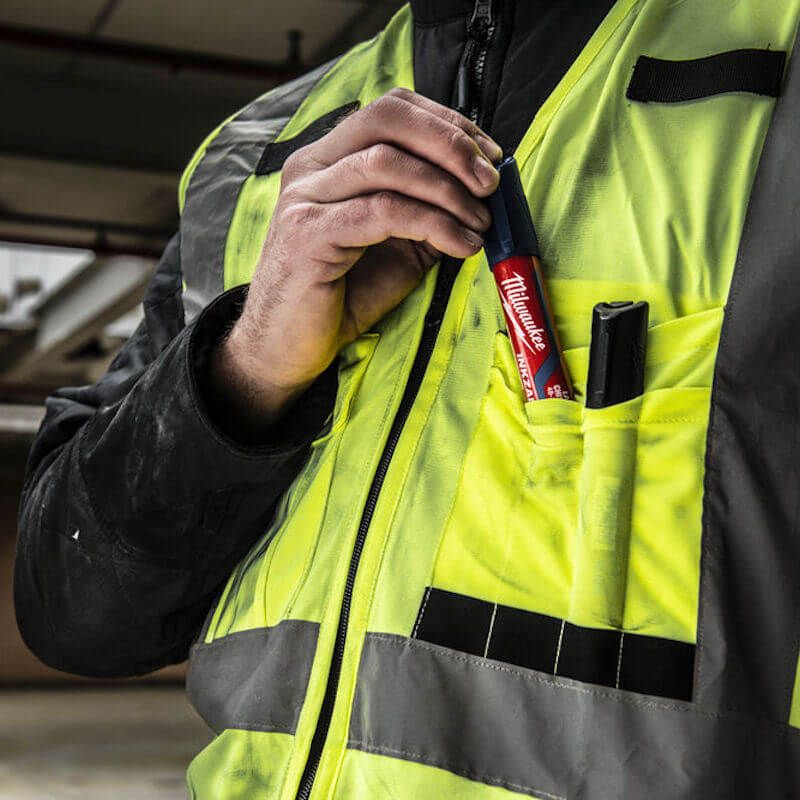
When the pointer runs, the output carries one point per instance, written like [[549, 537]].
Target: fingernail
[[492, 149], [486, 174], [475, 240]]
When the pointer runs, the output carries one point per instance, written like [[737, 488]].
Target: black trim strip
[[632, 662], [276, 153], [656, 80]]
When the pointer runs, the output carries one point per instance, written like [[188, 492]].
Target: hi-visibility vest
[[466, 596]]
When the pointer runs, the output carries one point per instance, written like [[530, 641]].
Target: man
[[399, 579]]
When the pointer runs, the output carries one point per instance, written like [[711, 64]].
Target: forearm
[[165, 470], [130, 525]]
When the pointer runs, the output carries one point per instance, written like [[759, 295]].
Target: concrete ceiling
[[91, 146], [253, 29], [104, 102]]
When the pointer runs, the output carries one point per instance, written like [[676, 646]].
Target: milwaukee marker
[[513, 254]]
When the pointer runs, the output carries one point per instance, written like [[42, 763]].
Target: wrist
[[246, 388]]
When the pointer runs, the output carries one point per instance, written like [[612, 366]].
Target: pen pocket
[[636, 549], [508, 536], [605, 499], [640, 490], [637, 542]]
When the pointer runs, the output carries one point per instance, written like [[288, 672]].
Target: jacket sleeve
[[137, 504]]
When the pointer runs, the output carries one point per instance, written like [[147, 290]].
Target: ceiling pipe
[[89, 234], [101, 226], [120, 50], [98, 248]]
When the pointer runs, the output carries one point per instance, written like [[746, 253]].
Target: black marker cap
[[512, 232], [617, 353]]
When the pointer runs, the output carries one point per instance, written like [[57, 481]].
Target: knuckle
[[380, 157], [384, 200], [293, 164], [378, 107], [290, 193], [438, 219], [301, 214], [460, 121], [301, 162], [355, 212], [444, 224], [388, 106], [453, 198], [458, 140], [384, 203], [401, 92], [356, 165]]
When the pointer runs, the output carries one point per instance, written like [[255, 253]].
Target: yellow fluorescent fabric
[[794, 715], [631, 201], [254, 766], [654, 185], [262, 597], [590, 515], [366, 776]]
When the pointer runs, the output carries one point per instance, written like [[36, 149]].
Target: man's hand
[[362, 214]]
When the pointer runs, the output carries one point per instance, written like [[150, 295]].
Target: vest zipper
[[470, 75], [471, 67]]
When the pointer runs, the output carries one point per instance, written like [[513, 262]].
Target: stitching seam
[[421, 758], [421, 612]]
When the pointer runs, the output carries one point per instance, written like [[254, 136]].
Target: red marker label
[[530, 328]]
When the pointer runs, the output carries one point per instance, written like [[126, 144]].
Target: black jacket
[[138, 500]]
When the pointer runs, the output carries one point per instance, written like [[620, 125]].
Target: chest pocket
[[573, 544]]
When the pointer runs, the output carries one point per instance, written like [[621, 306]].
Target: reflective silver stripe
[[253, 680], [749, 616], [547, 737], [215, 184]]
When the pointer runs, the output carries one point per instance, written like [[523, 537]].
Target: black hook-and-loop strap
[[656, 80], [276, 153]]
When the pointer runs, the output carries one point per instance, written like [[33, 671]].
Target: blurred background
[[102, 103]]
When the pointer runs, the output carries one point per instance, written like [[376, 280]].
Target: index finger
[[428, 130], [489, 146]]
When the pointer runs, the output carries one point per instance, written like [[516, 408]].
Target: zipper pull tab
[[463, 81], [480, 21]]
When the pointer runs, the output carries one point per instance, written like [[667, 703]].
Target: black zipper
[[469, 79], [433, 321], [479, 31]]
